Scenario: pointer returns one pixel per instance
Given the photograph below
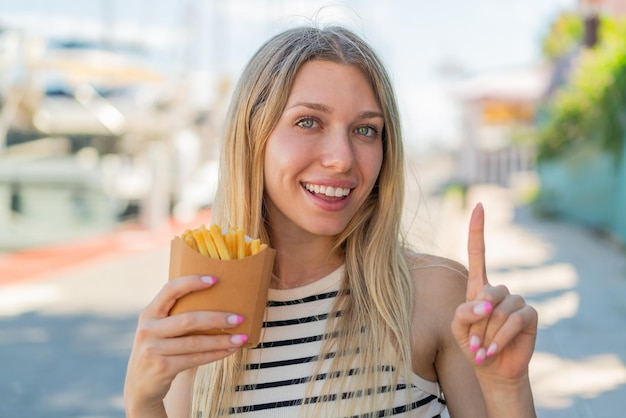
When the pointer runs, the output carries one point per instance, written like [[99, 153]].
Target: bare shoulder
[[435, 273], [440, 286]]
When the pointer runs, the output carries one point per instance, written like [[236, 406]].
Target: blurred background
[[110, 120]]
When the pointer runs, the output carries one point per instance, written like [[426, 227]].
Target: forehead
[[327, 79]]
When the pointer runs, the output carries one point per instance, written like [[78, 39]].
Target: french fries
[[214, 243]]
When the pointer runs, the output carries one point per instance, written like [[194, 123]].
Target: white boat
[[126, 140]]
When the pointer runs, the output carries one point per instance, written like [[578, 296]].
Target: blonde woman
[[356, 325]]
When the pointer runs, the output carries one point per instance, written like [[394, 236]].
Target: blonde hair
[[376, 303]]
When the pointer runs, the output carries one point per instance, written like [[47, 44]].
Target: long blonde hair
[[377, 303]]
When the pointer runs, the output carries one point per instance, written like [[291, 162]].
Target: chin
[[328, 230]]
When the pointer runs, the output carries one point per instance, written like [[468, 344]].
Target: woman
[[356, 324]]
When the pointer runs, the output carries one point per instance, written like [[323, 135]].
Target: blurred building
[[498, 110], [93, 133]]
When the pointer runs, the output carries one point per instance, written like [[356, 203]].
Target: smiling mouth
[[327, 191]]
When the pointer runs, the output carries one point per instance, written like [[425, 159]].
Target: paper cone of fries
[[241, 288]]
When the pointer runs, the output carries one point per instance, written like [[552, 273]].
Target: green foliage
[[565, 34], [592, 106]]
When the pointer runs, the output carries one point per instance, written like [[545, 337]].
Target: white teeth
[[327, 190]]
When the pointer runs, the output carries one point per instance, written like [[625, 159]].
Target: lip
[[324, 202]]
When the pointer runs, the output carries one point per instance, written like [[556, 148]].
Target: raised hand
[[163, 347], [495, 329]]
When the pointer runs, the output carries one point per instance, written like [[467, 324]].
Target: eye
[[306, 123], [368, 131]]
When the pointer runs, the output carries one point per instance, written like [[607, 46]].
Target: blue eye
[[366, 131], [306, 123]]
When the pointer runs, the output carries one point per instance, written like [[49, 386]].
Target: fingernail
[[234, 319], [208, 279], [239, 339], [482, 308], [474, 343], [480, 356], [491, 350]]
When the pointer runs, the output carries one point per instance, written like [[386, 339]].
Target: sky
[[416, 38]]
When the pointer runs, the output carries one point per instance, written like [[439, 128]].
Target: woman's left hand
[[496, 330]]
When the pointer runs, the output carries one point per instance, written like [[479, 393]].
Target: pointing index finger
[[477, 277]]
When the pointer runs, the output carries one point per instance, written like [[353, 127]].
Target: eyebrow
[[368, 114], [314, 106]]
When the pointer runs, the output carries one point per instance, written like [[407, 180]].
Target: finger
[[467, 314], [174, 289], [471, 318], [500, 315], [482, 333], [489, 300], [523, 320], [193, 322], [157, 366], [188, 361], [195, 344], [477, 277]]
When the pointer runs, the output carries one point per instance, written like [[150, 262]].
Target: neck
[[300, 263]]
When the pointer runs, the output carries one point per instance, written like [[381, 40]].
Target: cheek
[[285, 152], [371, 164], [281, 161], [274, 147]]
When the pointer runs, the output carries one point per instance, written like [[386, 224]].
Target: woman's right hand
[[162, 348]]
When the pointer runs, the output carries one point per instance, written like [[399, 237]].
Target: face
[[324, 156]]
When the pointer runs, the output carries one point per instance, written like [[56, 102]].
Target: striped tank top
[[279, 369]]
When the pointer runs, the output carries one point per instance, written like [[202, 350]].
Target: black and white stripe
[[280, 369]]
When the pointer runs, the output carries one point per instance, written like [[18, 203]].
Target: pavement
[[68, 313], [576, 279]]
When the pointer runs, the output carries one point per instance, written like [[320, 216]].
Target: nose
[[337, 152]]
